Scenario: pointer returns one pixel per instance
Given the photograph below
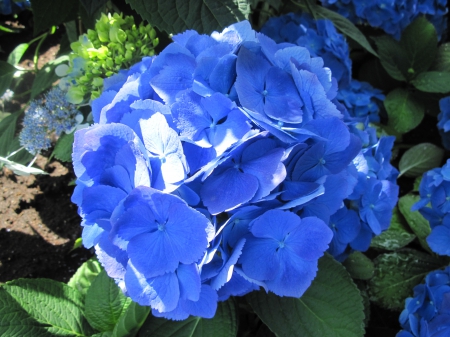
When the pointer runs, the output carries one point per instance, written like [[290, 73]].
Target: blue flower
[[443, 124], [279, 238]]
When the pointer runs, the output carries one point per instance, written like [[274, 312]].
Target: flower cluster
[[8, 7], [318, 36], [427, 314], [116, 43], [434, 205], [392, 16], [44, 116], [223, 165], [443, 124], [361, 100]]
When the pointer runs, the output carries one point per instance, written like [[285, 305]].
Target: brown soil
[[39, 224]]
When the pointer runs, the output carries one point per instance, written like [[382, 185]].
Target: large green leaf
[[419, 225], [397, 236], [392, 57], [404, 111], [433, 81], [332, 306], [105, 303], [223, 324], [57, 307], [419, 159], [85, 274], [345, 26], [397, 273], [46, 76], [205, 16], [7, 132], [91, 6], [442, 59], [419, 42], [48, 13], [6, 75]]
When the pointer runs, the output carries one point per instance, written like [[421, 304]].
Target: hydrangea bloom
[[392, 16], [435, 207], [52, 114], [444, 121], [427, 314], [203, 153], [318, 36]]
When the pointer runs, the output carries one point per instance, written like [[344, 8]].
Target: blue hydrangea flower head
[[318, 36], [391, 16], [428, 312]]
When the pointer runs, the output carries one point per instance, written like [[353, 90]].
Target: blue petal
[[189, 281]]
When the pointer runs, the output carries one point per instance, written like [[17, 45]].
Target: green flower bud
[[97, 82]]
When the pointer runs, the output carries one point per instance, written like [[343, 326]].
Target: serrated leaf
[[7, 132], [418, 224], [397, 273], [46, 76], [442, 59], [391, 56], [6, 75], [104, 303], [359, 266], [84, 275], [15, 56], [345, 26], [332, 306], [433, 81], [48, 13], [54, 304], [205, 16], [131, 321], [63, 147], [397, 236], [419, 41], [91, 6], [14, 320], [404, 111], [419, 159], [223, 324]]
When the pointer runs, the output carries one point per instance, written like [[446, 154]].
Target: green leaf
[[345, 26], [131, 321], [15, 56], [6, 75], [433, 81], [397, 236], [419, 41], [404, 111], [15, 321], [104, 303], [391, 56], [63, 147], [21, 157], [205, 16], [332, 306], [84, 275], [359, 266], [442, 59], [419, 225], [223, 324], [417, 182], [397, 273], [46, 76], [419, 159], [7, 132], [91, 6], [53, 304], [48, 13]]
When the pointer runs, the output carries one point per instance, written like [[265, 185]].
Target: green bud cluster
[[116, 43]]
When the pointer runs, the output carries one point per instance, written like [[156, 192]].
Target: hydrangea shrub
[[223, 165]]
